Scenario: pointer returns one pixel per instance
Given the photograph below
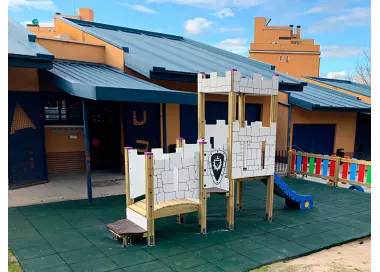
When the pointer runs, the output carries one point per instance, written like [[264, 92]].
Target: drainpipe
[[87, 150]]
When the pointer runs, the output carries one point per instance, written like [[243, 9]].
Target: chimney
[[298, 35], [86, 14]]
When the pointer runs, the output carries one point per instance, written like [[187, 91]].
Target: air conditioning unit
[[63, 37]]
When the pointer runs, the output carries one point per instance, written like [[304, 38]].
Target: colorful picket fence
[[333, 168]]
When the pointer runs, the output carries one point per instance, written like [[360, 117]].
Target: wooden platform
[[216, 191], [167, 208], [125, 226]]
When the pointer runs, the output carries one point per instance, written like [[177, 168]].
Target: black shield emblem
[[217, 163]]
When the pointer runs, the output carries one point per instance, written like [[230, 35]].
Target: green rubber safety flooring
[[72, 236]]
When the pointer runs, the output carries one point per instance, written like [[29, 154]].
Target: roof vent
[[358, 98]]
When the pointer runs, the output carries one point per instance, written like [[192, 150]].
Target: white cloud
[[231, 29], [314, 10], [360, 16], [44, 24], [338, 51], [337, 75], [197, 25], [213, 4], [226, 12], [139, 8], [236, 45], [19, 5]]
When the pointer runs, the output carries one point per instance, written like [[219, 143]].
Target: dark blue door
[[363, 137], [214, 111], [26, 152], [318, 138], [142, 126]]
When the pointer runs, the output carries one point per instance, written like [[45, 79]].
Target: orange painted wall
[[113, 56], [60, 142], [23, 79], [172, 123], [299, 64], [362, 97], [345, 125], [42, 31], [73, 50], [282, 122], [269, 44]]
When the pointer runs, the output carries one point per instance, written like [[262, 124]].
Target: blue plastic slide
[[292, 199]]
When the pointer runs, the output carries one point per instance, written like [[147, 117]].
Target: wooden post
[[270, 182], [180, 143], [201, 113], [336, 171], [202, 212], [128, 199], [269, 205], [87, 149], [231, 118], [149, 196], [239, 184], [290, 158]]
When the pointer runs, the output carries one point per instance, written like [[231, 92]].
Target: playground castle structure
[[225, 154]]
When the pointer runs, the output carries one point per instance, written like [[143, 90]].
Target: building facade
[[281, 47]]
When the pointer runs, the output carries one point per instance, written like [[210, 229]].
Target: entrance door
[[363, 137], [26, 154], [104, 126], [142, 126], [318, 139]]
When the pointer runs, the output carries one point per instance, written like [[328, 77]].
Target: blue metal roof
[[162, 56], [102, 82], [23, 51], [344, 84], [315, 97]]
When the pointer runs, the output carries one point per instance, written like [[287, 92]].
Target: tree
[[362, 72]]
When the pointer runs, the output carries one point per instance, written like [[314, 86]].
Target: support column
[[201, 114], [231, 118], [270, 180], [87, 149], [149, 196], [239, 183], [180, 143], [202, 213], [128, 199]]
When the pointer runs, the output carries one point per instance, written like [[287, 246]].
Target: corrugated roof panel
[[102, 82], [145, 50], [21, 43], [344, 84], [318, 97]]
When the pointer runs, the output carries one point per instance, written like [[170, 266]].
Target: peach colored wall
[[60, 142], [172, 123], [23, 79], [73, 50], [86, 14], [43, 31], [299, 64], [345, 124], [362, 97], [282, 122]]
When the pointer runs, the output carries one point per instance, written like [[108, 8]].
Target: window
[[280, 58], [287, 58], [63, 110]]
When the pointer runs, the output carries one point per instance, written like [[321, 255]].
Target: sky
[[341, 27]]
